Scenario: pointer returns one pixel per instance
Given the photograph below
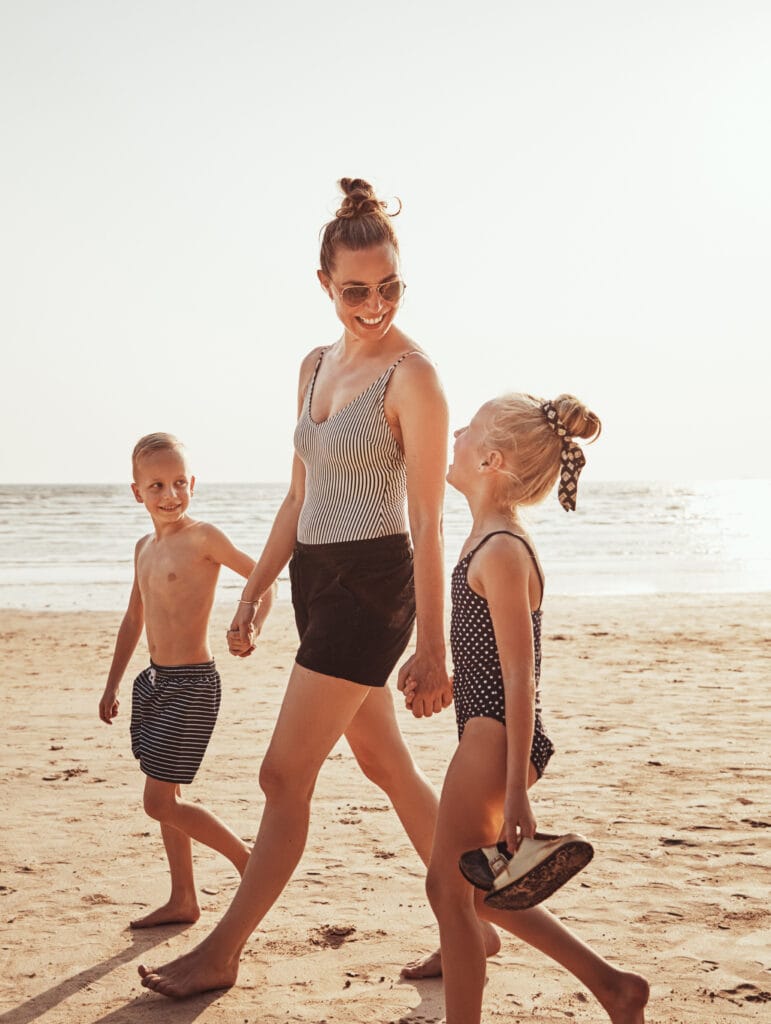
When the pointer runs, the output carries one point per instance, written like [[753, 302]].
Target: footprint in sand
[[747, 992]]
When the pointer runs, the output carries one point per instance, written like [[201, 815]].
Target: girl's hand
[[519, 820]]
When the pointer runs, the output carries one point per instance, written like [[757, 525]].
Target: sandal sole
[[543, 880]]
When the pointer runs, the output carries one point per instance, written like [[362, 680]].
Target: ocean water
[[70, 547]]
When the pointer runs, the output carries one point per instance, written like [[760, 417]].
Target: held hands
[[248, 622], [241, 635], [518, 818], [425, 684]]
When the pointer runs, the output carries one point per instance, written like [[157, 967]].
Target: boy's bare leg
[[164, 802], [182, 821], [316, 711], [182, 905], [384, 757]]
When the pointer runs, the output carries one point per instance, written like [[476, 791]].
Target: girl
[[371, 431], [509, 456]]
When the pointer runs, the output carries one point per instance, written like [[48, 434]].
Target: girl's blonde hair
[[361, 223], [519, 429]]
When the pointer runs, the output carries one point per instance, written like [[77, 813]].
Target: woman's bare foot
[[430, 965], [189, 975], [173, 912], [625, 1002]]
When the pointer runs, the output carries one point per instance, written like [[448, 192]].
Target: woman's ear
[[324, 282]]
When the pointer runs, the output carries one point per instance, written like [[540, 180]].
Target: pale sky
[[586, 208]]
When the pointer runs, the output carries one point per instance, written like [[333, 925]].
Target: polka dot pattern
[[478, 679]]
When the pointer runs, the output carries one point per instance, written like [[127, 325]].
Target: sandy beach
[[658, 707]]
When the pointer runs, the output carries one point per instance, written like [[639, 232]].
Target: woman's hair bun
[[360, 200], [579, 421], [363, 221]]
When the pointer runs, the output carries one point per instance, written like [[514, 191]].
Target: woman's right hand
[[241, 633]]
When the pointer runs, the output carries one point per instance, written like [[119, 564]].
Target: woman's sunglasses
[[357, 294]]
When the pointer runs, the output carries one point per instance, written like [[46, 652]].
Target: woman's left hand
[[519, 820]]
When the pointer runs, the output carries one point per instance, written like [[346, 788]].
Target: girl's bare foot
[[189, 975], [430, 965], [173, 912], [625, 1002]]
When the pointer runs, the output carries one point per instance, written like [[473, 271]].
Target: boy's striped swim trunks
[[173, 714]]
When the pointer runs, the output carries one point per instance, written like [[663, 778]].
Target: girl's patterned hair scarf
[[572, 458]]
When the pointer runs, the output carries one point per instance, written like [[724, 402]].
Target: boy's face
[[163, 484]]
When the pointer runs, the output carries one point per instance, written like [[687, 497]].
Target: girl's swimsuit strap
[[527, 544]]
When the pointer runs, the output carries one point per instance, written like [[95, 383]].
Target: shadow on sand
[[431, 1005], [141, 941]]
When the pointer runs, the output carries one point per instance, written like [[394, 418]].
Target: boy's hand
[[108, 705]]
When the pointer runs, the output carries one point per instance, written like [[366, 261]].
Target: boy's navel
[[171, 577]]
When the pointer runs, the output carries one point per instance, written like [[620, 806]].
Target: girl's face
[[469, 451], [370, 319]]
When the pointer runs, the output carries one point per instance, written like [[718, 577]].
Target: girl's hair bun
[[579, 421]]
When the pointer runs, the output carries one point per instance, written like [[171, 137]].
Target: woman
[[372, 430]]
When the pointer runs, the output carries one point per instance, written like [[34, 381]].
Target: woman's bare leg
[[384, 757], [316, 711]]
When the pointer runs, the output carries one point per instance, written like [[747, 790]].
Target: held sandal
[[523, 879]]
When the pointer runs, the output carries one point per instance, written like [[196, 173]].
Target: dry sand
[[658, 708]]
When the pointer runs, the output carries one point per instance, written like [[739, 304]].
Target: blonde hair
[[361, 223], [519, 429], [152, 443]]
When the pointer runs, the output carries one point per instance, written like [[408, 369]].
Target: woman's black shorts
[[354, 605]]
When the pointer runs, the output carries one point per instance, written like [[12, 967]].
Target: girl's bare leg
[[384, 757], [316, 711], [469, 816], [622, 994]]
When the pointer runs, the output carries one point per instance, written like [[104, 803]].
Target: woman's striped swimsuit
[[355, 479]]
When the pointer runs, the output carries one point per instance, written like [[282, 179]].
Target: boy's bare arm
[[222, 550], [125, 644]]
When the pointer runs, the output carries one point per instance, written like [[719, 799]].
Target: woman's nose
[[374, 301]]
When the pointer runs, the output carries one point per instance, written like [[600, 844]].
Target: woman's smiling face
[[371, 267]]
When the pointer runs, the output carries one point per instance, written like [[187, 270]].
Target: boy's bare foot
[[430, 965], [189, 975], [625, 1003], [173, 912]]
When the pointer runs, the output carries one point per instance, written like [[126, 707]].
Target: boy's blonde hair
[[152, 443], [518, 427]]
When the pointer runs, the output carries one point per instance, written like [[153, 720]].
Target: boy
[[175, 701]]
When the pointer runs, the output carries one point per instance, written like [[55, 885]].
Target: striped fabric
[[355, 480], [173, 713]]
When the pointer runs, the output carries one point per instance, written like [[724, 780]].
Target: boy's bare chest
[[172, 568]]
